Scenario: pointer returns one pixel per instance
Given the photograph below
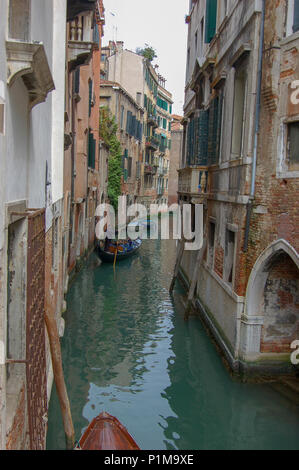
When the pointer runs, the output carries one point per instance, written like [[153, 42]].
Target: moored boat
[[124, 250], [105, 432]]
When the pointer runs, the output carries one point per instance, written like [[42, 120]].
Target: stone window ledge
[[29, 61], [289, 39]]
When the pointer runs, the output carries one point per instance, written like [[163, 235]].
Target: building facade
[[82, 178], [43, 146], [139, 79], [239, 161], [175, 158], [129, 119], [32, 61]]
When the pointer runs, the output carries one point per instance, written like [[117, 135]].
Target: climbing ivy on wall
[[108, 129]]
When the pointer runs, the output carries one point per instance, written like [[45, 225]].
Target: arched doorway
[[271, 317], [280, 305]]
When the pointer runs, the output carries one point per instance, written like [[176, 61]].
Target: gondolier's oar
[[115, 258]]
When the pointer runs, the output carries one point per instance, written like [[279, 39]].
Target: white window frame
[[282, 169], [234, 229]]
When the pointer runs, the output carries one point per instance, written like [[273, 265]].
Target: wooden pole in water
[[55, 348], [116, 249], [177, 264], [191, 293]]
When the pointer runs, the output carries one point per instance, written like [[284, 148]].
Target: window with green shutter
[[91, 150], [122, 112], [211, 18], [96, 35], [213, 131], [197, 139], [164, 123], [77, 81], [129, 167], [129, 119]]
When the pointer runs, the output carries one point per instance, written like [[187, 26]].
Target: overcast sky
[[159, 23]]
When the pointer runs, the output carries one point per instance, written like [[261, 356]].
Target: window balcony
[[156, 162], [80, 40], [152, 120], [194, 182], [152, 142], [149, 169], [29, 61]]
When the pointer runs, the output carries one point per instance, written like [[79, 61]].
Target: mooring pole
[[59, 380], [191, 292]]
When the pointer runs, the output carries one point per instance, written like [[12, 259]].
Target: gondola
[[105, 432], [124, 251]]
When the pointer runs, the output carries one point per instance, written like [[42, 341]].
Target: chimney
[[119, 46]]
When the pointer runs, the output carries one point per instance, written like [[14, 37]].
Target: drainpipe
[[256, 131], [73, 130]]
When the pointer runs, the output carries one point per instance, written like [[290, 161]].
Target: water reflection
[[127, 350]]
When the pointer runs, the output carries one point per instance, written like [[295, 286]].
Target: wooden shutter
[[203, 133], [211, 17], [129, 117], [129, 167], [77, 81], [91, 150], [213, 131]]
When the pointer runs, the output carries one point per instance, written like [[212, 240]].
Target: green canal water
[[127, 351]]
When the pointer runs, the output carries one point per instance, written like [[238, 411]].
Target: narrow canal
[[128, 351]]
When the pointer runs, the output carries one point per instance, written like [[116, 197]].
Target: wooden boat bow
[[105, 432]]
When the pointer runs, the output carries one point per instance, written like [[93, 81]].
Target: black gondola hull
[[108, 257]]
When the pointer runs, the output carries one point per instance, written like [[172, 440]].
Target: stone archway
[[280, 305], [271, 317]]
